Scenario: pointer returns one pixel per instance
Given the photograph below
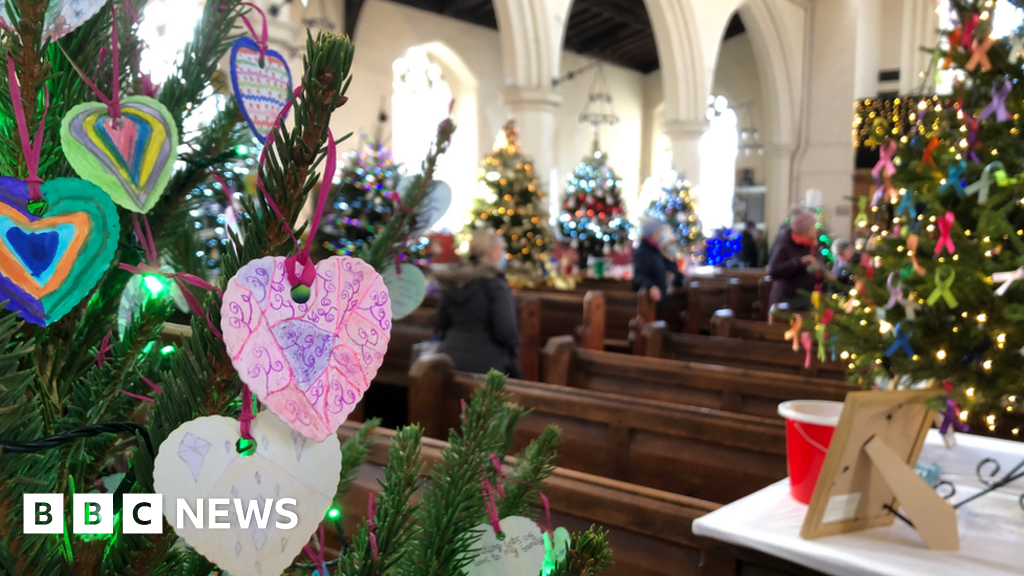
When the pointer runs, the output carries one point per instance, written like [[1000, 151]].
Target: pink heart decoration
[[309, 363]]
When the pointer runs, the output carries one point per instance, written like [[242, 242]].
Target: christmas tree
[[938, 298], [677, 207], [363, 201], [78, 403], [515, 209], [593, 216]]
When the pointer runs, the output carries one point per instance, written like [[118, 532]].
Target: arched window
[[718, 148]]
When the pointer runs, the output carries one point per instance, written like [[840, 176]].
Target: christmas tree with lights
[[593, 216], [514, 209], [939, 290], [677, 207], [364, 199]]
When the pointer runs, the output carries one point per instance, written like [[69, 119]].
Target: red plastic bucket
[[809, 428]]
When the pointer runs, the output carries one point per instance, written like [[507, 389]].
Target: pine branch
[[588, 555], [534, 465], [394, 512], [353, 455]]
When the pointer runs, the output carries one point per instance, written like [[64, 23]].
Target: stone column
[[685, 137], [779, 193], [533, 110]]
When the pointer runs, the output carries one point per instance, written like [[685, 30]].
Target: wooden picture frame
[[869, 471]]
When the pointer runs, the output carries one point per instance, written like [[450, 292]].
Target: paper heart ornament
[[310, 363], [520, 552], [555, 548], [261, 91], [49, 263], [406, 290], [436, 203], [199, 460], [131, 159], [61, 17]]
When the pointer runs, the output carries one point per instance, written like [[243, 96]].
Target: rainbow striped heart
[[261, 91], [49, 263], [130, 160]]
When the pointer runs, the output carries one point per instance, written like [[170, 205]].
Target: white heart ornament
[[555, 552], [433, 207], [310, 362], [519, 553], [199, 460], [407, 290]]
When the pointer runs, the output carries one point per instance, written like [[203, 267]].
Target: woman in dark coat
[[795, 265], [650, 266], [477, 315]]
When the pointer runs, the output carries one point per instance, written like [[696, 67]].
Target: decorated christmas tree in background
[[82, 406], [515, 211], [593, 216], [363, 200], [677, 207], [939, 296]]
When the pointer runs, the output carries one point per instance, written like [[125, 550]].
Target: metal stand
[[988, 479]]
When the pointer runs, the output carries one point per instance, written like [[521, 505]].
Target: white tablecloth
[[991, 527]]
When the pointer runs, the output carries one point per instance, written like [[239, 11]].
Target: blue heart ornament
[[49, 263]]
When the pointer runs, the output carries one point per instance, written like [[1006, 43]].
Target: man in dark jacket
[[650, 266], [477, 315], [795, 265], [748, 246]]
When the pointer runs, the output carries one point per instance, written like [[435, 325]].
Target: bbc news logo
[[143, 513]]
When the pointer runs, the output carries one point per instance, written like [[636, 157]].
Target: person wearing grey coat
[[477, 315]]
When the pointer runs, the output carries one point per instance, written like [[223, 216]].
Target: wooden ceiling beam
[[614, 10]]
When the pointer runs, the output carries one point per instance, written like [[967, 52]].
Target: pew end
[[653, 339], [558, 360]]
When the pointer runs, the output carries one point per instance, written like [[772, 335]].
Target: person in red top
[[796, 264]]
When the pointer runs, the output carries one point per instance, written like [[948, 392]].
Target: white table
[[991, 527]]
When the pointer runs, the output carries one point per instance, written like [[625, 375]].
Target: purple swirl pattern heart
[[310, 363]]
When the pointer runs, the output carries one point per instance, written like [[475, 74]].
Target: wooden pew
[[704, 298], [742, 298], [764, 292], [725, 325], [646, 313], [700, 452], [657, 342], [649, 530], [730, 389]]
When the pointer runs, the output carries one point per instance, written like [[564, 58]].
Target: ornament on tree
[[407, 287], [200, 463], [261, 80], [677, 207], [126, 146], [61, 16], [511, 547]]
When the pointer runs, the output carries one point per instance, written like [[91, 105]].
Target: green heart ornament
[[131, 159]]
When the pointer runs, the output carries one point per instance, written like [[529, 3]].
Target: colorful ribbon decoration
[[977, 354], [895, 292], [1007, 278], [885, 166], [868, 264], [876, 199], [862, 213], [795, 323], [984, 184], [1016, 48], [1000, 92], [317, 556], [906, 205], [956, 172], [951, 417], [927, 158], [371, 514], [945, 226], [967, 37], [902, 342], [980, 55], [944, 289], [819, 332], [113, 102], [1003, 179], [805, 340], [912, 252]]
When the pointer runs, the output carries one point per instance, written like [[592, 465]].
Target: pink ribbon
[[501, 491], [885, 165], [317, 556], [805, 341], [101, 353], [827, 317], [945, 226], [490, 506], [246, 417], [970, 25], [261, 39], [149, 383], [29, 147], [113, 102], [371, 514]]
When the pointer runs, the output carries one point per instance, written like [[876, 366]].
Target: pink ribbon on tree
[[501, 492], [317, 556], [885, 166], [29, 147], [101, 352], [260, 39], [945, 227], [371, 506], [970, 26], [113, 101], [805, 341]]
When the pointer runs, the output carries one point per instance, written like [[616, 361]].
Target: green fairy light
[[334, 513], [156, 285], [167, 350], [241, 150]]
